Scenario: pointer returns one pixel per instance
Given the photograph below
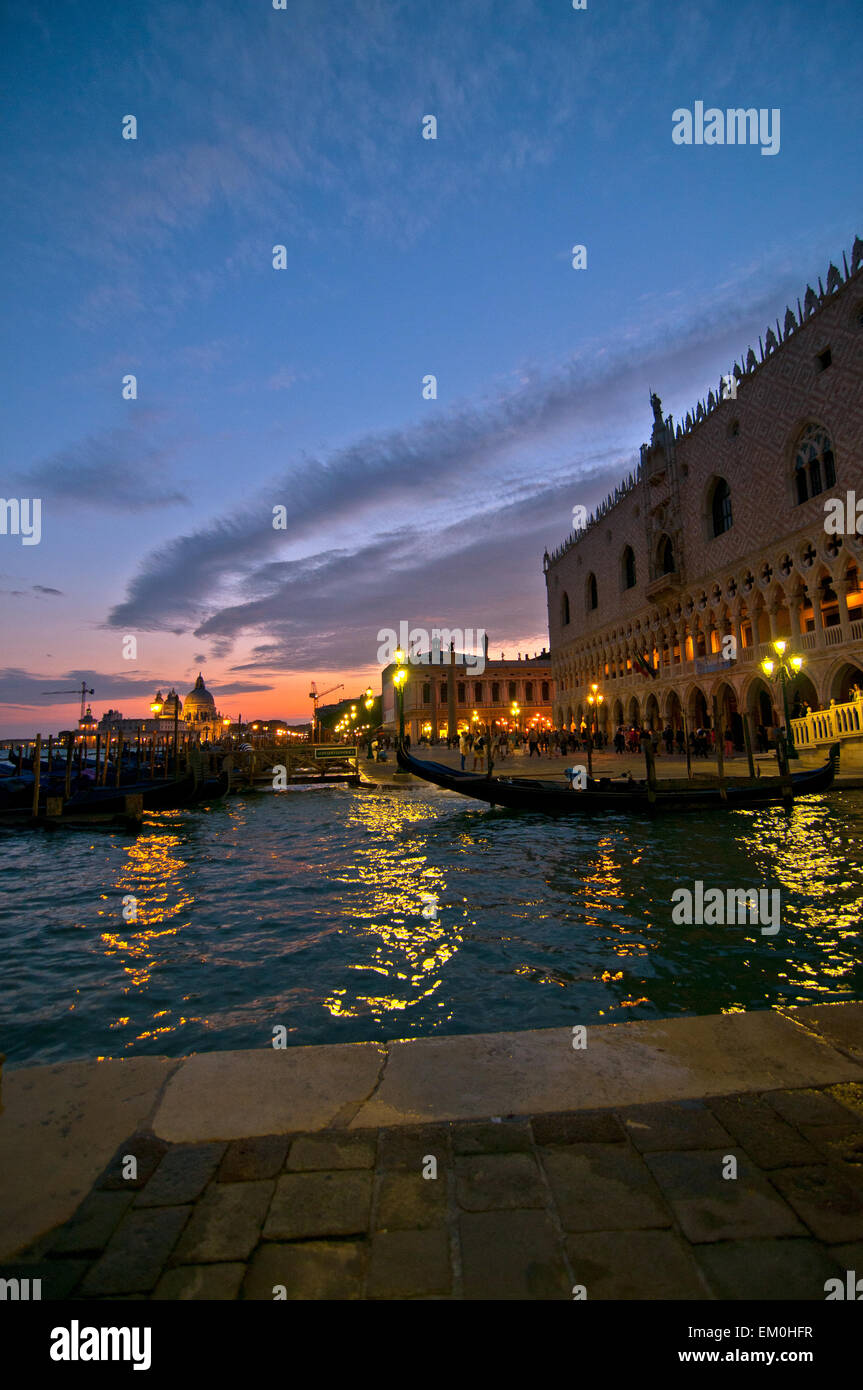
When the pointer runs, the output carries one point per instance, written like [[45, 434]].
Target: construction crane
[[83, 692], [314, 696]]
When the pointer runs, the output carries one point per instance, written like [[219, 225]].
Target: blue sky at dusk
[[405, 256]]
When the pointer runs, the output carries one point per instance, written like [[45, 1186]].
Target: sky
[[303, 388]]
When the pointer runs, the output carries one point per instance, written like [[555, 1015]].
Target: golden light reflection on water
[[806, 859], [153, 874], [401, 910]]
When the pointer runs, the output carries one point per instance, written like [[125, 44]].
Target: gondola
[[606, 794], [212, 788], [16, 797]]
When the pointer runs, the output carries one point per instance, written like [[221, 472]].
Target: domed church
[[199, 711]]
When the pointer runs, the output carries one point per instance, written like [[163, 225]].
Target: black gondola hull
[[522, 794]]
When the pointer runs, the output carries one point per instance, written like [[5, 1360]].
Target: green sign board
[[335, 750]]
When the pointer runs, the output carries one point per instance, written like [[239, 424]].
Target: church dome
[[199, 703]]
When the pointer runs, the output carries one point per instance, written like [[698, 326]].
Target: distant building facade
[[720, 542], [196, 715], [488, 694]]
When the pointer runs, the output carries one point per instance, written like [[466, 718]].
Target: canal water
[[356, 915]]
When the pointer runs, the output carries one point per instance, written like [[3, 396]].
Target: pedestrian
[[463, 747], [478, 750], [729, 743], [533, 743]]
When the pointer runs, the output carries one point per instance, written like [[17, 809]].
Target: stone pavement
[[630, 1203]]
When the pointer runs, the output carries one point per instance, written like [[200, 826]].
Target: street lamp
[[515, 711], [400, 675], [785, 668], [369, 702], [595, 699]]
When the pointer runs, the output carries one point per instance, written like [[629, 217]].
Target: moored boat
[[605, 794]]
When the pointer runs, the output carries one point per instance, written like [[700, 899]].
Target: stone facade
[[719, 543], [489, 693]]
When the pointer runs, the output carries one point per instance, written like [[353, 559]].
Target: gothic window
[[666, 556], [814, 464], [721, 507], [592, 593], [628, 568], [564, 609]]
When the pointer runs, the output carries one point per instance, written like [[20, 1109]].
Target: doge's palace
[[725, 539]]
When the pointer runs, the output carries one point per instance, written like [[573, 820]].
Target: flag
[[646, 669]]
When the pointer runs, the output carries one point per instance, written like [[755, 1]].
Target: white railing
[[828, 725], [833, 636], [806, 640]]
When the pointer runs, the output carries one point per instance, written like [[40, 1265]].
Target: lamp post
[[369, 701], [786, 667], [400, 675], [595, 699], [515, 711]]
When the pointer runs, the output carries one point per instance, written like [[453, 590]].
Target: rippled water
[[307, 910]]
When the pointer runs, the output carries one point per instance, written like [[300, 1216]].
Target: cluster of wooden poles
[[162, 752]]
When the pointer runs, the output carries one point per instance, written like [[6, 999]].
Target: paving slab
[[211, 1283], [93, 1223], [840, 1025], [512, 1255], [768, 1139], [59, 1127], [603, 1187], [236, 1095], [226, 1224], [684, 1124], [409, 1264], [806, 1106], [317, 1270], [407, 1200], [249, 1160], [181, 1176], [408, 1146], [634, 1264], [825, 1200], [710, 1207], [332, 1150], [137, 1252], [767, 1270], [319, 1204], [485, 1182], [528, 1073]]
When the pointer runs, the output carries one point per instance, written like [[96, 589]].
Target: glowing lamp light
[[797, 662], [779, 646], [767, 666]]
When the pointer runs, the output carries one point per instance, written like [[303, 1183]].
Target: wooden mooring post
[[720, 751], [37, 772], [70, 749], [747, 739], [647, 748]]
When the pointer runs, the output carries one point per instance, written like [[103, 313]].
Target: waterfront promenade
[[607, 763], [556, 1168]]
